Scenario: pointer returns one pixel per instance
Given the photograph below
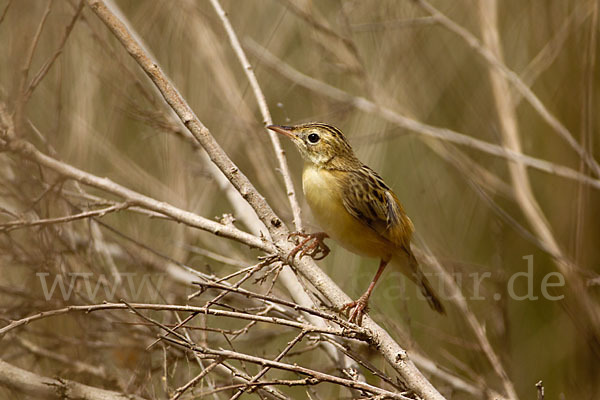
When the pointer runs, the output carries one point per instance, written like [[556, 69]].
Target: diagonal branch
[[37, 386], [510, 76], [181, 390], [5, 11], [396, 356], [410, 124], [27, 150], [50, 62], [316, 375], [356, 333], [266, 369], [18, 224], [297, 290], [189, 119], [521, 183], [264, 109]]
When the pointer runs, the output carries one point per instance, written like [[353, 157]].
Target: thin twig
[[317, 375], [264, 109], [231, 371], [37, 386], [390, 115], [282, 382], [514, 79], [247, 275], [50, 62], [5, 11], [380, 339], [189, 119], [23, 98], [27, 150], [524, 195], [350, 334], [181, 390], [266, 369], [12, 225], [133, 308], [272, 299], [34, 43], [457, 298], [77, 365], [362, 362]]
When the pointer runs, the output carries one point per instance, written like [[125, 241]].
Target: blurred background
[[480, 214]]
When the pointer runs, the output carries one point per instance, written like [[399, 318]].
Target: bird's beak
[[284, 130]]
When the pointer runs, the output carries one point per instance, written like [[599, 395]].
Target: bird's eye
[[313, 138]]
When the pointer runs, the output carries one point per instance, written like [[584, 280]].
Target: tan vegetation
[[145, 209]]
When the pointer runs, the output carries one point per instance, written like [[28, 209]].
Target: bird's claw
[[318, 250], [357, 309]]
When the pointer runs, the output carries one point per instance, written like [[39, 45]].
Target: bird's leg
[[359, 306], [317, 249]]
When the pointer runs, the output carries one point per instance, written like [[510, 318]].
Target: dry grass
[[480, 114]]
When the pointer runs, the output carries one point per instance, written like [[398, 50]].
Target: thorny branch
[[318, 376], [356, 333]]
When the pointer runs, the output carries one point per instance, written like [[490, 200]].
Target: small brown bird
[[355, 207]]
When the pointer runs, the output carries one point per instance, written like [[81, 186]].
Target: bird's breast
[[324, 190]]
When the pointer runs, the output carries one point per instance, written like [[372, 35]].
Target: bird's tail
[[410, 267]]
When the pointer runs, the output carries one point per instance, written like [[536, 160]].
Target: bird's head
[[321, 144]]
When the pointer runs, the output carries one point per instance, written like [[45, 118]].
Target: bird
[[355, 208]]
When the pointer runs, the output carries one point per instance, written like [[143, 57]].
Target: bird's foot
[[311, 244], [357, 308]]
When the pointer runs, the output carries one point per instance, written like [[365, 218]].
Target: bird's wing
[[367, 198]]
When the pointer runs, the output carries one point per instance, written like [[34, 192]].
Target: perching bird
[[354, 207]]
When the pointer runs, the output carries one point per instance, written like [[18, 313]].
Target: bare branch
[[23, 98], [12, 225], [181, 390], [38, 386], [77, 365], [189, 119], [458, 299], [356, 333], [390, 115], [318, 376], [380, 339], [514, 79], [264, 109], [5, 11], [272, 299], [50, 62], [266, 369], [27, 150], [522, 186], [34, 43]]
